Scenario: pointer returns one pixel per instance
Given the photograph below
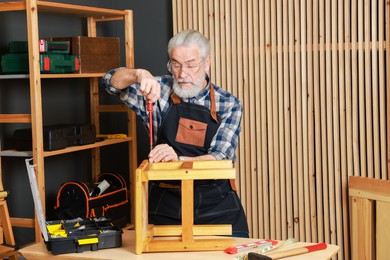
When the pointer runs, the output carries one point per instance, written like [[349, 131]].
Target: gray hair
[[190, 38]]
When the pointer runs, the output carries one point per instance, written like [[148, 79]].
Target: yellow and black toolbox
[[73, 235], [79, 235]]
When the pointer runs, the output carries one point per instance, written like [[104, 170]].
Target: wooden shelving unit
[[93, 15]]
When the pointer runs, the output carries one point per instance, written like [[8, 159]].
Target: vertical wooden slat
[[281, 228], [297, 223], [338, 114], [287, 121], [324, 135], [387, 30], [275, 215], [270, 143], [317, 123], [264, 146], [252, 117], [368, 88], [355, 89], [256, 124], [345, 115], [329, 124], [374, 87], [222, 22], [362, 120], [305, 135], [263, 182], [310, 125], [217, 42], [299, 124]]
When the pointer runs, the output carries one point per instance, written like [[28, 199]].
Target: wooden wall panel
[[311, 76]]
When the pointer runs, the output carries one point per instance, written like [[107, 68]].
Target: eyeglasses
[[174, 66]]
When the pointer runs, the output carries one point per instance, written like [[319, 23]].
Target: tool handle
[[297, 251], [150, 109]]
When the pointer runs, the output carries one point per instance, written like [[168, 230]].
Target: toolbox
[[73, 235], [79, 235], [49, 63], [45, 46], [56, 137], [59, 63], [14, 63], [96, 54]]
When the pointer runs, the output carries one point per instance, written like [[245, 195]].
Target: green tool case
[[49, 63]]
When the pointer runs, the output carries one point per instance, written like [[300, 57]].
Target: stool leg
[[7, 228]]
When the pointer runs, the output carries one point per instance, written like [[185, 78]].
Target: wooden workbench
[[127, 251]]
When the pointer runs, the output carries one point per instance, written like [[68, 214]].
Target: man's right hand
[[149, 87]]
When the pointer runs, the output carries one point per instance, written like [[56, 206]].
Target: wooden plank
[[361, 62], [375, 90], [304, 120], [252, 136], [345, 120], [187, 205], [263, 205], [338, 81], [36, 103], [198, 230], [382, 229], [281, 229], [317, 125], [299, 121], [387, 15], [312, 213], [275, 214], [329, 124], [373, 189], [368, 89], [287, 122], [15, 118], [362, 229], [291, 41], [355, 89], [270, 215]]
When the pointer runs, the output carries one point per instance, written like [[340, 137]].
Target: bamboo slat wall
[[311, 76]]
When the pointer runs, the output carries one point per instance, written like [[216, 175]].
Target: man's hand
[[163, 153], [149, 87]]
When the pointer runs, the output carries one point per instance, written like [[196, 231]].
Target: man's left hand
[[162, 153]]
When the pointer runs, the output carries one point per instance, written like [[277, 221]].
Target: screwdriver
[[150, 109]]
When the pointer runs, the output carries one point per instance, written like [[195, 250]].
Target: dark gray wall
[[67, 100]]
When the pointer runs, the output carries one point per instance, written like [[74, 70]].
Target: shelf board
[[14, 153], [53, 76], [68, 9]]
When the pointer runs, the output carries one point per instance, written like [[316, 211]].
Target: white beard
[[187, 93]]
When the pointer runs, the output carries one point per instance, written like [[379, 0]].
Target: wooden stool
[[187, 236], [7, 250]]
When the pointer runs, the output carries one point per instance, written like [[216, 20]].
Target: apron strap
[[213, 111]]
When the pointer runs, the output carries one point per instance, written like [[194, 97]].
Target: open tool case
[[79, 235], [75, 235]]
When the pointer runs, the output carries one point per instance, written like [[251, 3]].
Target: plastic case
[[79, 235], [56, 137]]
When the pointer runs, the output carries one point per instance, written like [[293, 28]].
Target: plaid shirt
[[228, 107]]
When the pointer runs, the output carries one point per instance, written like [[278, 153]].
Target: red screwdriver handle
[[150, 109]]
